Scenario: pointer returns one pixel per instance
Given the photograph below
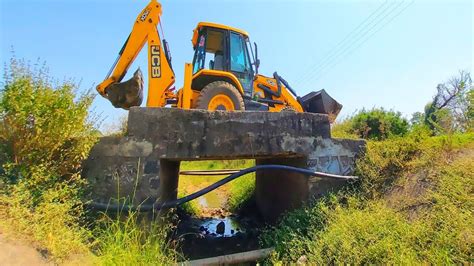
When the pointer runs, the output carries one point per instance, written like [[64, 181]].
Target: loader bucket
[[126, 94], [320, 102]]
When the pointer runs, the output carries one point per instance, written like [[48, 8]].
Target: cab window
[[209, 51], [238, 54]]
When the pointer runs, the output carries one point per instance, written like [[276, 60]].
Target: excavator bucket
[[321, 102], [127, 94]]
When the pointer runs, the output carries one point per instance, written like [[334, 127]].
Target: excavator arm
[[160, 73]]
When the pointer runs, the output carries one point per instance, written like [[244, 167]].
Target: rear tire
[[220, 95]]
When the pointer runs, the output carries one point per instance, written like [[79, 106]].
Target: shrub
[[470, 110], [42, 123], [45, 133], [343, 129], [378, 124]]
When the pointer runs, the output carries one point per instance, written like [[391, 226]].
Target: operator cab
[[223, 48]]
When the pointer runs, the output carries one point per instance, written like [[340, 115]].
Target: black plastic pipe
[[199, 193]]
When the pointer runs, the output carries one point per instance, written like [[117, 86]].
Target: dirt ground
[[16, 253]]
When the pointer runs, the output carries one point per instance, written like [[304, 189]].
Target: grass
[[50, 225], [413, 205], [369, 223], [231, 196], [133, 240], [56, 222]]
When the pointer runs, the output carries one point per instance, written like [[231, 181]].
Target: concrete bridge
[[158, 139]]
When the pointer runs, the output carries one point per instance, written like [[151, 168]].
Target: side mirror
[[257, 61]]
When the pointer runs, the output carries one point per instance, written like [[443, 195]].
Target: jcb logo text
[[155, 61]]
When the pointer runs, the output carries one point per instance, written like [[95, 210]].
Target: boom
[[160, 73]]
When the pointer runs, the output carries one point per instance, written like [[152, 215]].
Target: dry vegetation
[[413, 203], [45, 133]]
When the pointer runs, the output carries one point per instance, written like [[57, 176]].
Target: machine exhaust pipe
[[321, 102], [126, 94]]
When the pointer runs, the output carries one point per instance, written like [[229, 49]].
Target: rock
[[220, 229], [239, 235], [302, 260]]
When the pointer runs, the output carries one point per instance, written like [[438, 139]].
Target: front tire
[[220, 95]]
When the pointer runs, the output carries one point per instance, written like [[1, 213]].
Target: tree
[[449, 110]]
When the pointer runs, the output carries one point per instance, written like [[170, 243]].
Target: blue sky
[[394, 60]]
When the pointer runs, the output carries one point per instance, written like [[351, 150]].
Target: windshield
[[249, 48], [239, 54]]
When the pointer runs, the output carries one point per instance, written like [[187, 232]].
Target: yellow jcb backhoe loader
[[223, 74]]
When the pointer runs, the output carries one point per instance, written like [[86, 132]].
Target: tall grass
[[52, 225], [133, 240], [363, 225], [46, 132]]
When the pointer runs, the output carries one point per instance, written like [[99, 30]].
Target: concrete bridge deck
[[158, 139]]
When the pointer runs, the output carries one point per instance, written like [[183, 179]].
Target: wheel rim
[[221, 102]]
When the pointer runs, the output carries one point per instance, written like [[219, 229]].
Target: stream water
[[203, 237], [214, 231]]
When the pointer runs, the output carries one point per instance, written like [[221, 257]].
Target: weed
[[357, 226], [45, 133], [133, 241]]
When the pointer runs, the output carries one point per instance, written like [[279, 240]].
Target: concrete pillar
[[279, 191], [169, 176]]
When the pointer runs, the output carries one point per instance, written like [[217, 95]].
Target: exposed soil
[[409, 195], [17, 253]]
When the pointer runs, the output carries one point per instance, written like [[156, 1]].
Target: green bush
[[42, 123], [45, 133], [378, 124], [343, 130]]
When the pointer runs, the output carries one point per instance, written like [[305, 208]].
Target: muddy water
[[204, 237], [214, 231], [225, 227]]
